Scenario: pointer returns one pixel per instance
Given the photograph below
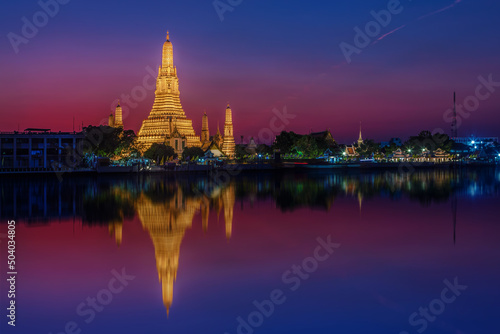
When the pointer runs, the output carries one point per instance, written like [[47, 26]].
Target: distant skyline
[[262, 56]]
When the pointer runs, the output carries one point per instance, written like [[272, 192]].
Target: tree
[[427, 141], [307, 147], [391, 148], [424, 134], [264, 149], [192, 153], [158, 152], [368, 148], [110, 142], [285, 141], [104, 140], [240, 151], [127, 146]]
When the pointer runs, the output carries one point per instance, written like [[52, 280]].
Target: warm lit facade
[[223, 144], [360, 139], [205, 132], [116, 120], [118, 116], [167, 122], [228, 142]]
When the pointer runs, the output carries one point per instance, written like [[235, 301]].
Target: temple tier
[[167, 123]]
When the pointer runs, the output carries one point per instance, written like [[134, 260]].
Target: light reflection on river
[[202, 254]]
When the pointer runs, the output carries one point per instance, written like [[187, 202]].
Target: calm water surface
[[262, 253]]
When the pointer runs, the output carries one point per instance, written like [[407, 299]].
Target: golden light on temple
[[116, 230], [228, 199], [116, 120], [205, 213], [167, 222], [205, 132], [118, 116], [228, 146], [167, 122]]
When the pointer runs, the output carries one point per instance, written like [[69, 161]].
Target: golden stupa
[[228, 146], [167, 222], [167, 123]]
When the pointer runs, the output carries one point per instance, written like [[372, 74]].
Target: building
[[251, 148], [37, 148], [205, 132], [476, 142], [440, 156], [167, 123], [350, 152], [224, 144], [360, 139], [111, 120], [228, 146], [398, 155], [116, 120], [213, 152], [324, 135], [218, 139]]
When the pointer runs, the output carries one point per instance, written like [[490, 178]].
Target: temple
[[167, 221], [228, 143], [116, 120], [360, 139], [167, 122], [205, 132], [225, 144]]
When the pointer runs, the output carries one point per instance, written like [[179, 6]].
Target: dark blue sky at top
[[264, 55]]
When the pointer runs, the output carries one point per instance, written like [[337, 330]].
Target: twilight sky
[[262, 55]]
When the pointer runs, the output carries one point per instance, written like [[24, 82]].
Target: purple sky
[[261, 56]]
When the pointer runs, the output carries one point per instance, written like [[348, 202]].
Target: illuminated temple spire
[[218, 137], [166, 223], [111, 120], [205, 133], [205, 213], [360, 139], [167, 61], [228, 199], [118, 116], [167, 106], [228, 146], [116, 229]]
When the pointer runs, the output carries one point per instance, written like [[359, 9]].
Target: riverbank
[[231, 168]]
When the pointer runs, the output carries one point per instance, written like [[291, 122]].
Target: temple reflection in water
[[166, 206], [166, 221]]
